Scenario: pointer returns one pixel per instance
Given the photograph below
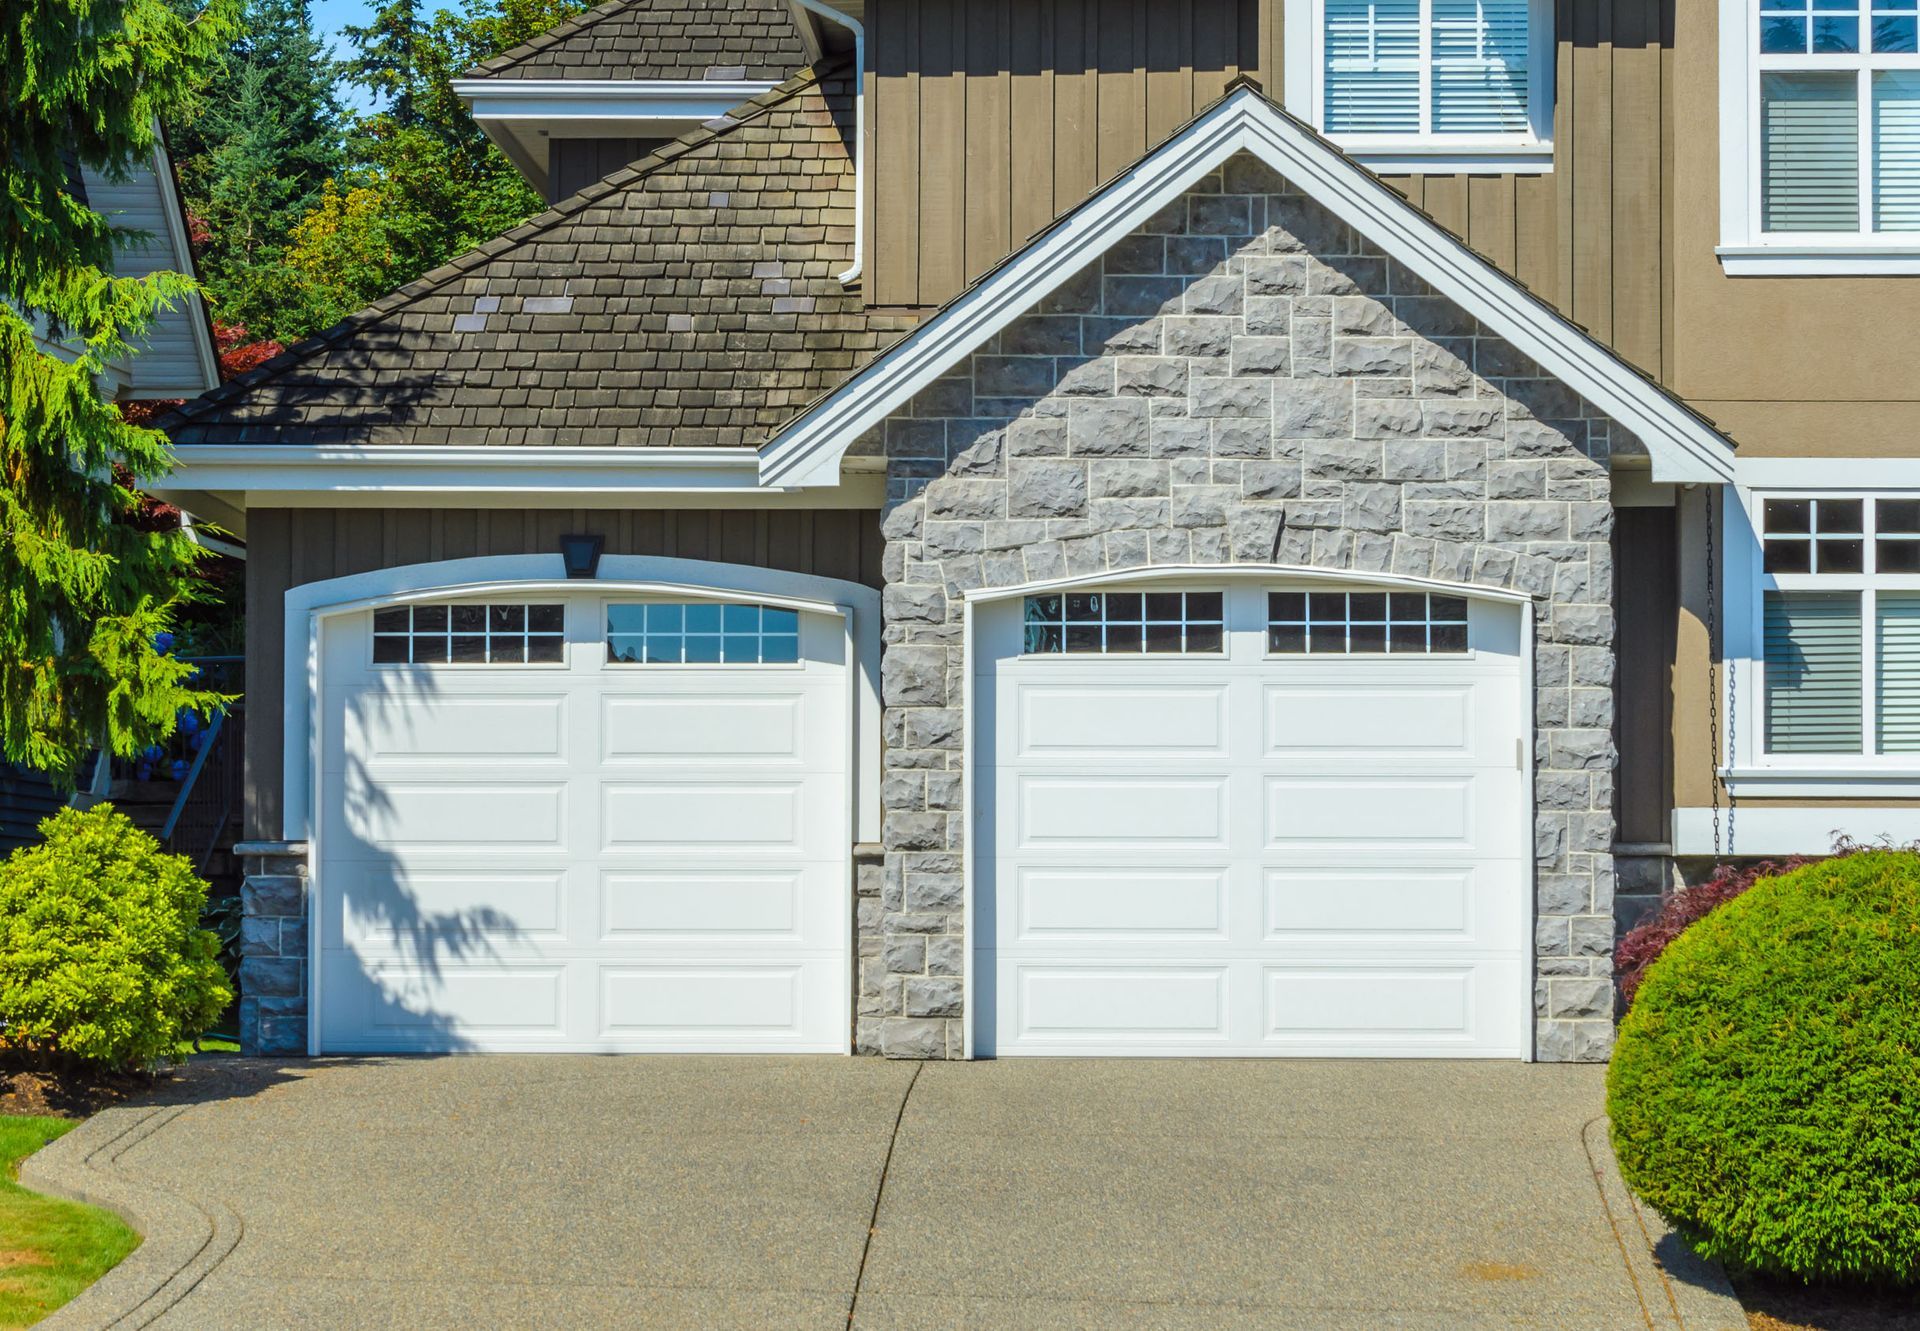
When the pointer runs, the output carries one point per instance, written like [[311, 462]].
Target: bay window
[[1426, 85], [1820, 151], [1840, 626]]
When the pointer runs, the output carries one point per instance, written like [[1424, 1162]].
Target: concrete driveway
[[693, 1192]]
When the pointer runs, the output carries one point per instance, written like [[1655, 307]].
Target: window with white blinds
[[1840, 621], [1837, 92], [1456, 70], [1813, 672]]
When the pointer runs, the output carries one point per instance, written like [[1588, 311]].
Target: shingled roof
[[661, 39], [689, 299]]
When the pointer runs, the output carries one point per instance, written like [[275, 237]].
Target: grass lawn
[[49, 1250]]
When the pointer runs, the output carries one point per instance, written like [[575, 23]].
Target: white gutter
[[831, 15], [529, 469], [543, 100]]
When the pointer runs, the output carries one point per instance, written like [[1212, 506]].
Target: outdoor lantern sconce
[[581, 554]]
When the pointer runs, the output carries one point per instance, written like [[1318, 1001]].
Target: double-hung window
[[1840, 629], [1426, 85], [1820, 150]]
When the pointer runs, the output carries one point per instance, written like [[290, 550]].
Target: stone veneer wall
[[1243, 380], [274, 984]]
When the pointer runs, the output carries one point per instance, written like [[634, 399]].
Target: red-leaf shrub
[[1645, 942]]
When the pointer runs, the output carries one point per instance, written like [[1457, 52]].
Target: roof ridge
[[541, 41], [556, 213]]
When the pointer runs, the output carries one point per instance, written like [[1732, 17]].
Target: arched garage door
[[1243, 818], [581, 821]]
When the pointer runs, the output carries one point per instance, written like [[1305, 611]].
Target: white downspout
[[852, 274]]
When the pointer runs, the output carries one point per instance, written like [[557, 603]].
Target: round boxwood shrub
[[102, 957], [1765, 1089]]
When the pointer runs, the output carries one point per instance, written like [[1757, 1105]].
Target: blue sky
[[330, 16]]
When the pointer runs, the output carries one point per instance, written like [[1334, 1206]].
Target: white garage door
[[1253, 819], [574, 822]]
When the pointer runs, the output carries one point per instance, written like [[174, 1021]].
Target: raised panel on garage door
[[602, 849], [1266, 846]]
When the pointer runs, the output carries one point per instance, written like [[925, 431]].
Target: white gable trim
[[1683, 447]]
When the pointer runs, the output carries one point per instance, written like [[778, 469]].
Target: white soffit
[[1683, 446]]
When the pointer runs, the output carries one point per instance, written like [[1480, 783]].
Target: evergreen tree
[[84, 593], [255, 159], [426, 185], [386, 62]]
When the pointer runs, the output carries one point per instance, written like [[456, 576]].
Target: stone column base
[[274, 983]]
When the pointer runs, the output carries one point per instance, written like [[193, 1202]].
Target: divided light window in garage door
[[702, 633], [1095, 623], [1403, 623], [516, 634]]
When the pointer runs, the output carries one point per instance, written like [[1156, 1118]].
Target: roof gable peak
[[1684, 446]]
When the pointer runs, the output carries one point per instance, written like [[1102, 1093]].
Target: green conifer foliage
[[83, 594]]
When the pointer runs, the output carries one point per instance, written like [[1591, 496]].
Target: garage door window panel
[[1125, 623], [1365, 623], [512, 633], [667, 633]]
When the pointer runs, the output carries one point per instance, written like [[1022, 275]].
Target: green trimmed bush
[[1765, 1089], [102, 957]]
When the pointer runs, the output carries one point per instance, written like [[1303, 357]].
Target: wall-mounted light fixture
[[581, 555]]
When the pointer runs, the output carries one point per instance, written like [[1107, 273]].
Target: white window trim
[[1748, 770], [1746, 250], [1443, 154]]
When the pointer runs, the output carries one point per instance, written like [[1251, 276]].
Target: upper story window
[[1840, 624], [1820, 136], [1426, 85]]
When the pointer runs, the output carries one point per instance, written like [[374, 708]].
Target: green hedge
[[102, 957], [1765, 1090]]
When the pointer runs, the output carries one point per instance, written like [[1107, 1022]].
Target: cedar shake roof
[[661, 39], [688, 299]]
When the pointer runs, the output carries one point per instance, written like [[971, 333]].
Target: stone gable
[[1242, 380]]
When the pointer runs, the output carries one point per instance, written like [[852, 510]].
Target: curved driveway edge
[[179, 1240], [1675, 1281]]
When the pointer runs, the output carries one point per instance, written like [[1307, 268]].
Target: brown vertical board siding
[[1647, 583], [894, 132], [1490, 218], [988, 183], [1075, 104], [1168, 59], [989, 118], [1635, 186], [1536, 257], [1078, 90], [290, 547], [1031, 115], [943, 144], [1446, 200], [1591, 229], [1121, 85], [269, 572], [1664, 15]]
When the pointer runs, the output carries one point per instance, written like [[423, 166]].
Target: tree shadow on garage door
[[420, 924]]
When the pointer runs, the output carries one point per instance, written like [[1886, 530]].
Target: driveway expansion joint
[[880, 1191]]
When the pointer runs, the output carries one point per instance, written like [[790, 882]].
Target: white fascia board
[[1682, 446], [1759, 829], [293, 469], [1818, 473], [561, 100]]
